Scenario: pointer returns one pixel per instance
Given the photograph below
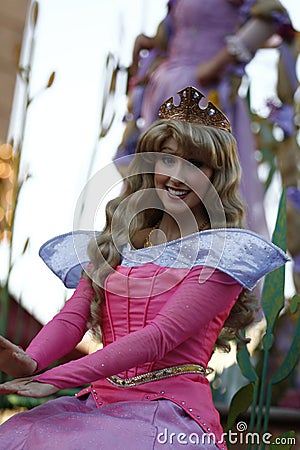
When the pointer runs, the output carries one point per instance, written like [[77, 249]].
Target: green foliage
[[244, 361], [239, 404], [291, 359], [285, 441], [294, 303], [273, 291], [259, 391]]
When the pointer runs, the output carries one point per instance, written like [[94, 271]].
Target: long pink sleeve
[[193, 306], [65, 330]]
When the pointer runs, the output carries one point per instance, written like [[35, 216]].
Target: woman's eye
[[197, 163], [167, 159]]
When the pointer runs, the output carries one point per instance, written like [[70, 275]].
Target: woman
[[206, 45], [162, 284]]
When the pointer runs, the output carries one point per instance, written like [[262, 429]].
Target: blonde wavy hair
[[133, 210]]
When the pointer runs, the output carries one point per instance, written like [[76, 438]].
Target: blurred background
[[63, 78]]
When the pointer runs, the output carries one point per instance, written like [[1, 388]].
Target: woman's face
[[181, 183]]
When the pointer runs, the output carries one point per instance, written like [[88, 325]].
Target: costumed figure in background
[[171, 268], [284, 113], [148, 53], [207, 45]]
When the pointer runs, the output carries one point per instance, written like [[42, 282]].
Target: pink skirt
[[68, 423]]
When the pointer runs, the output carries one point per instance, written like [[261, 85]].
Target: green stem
[[267, 412], [4, 298], [4, 301], [253, 410], [262, 393]]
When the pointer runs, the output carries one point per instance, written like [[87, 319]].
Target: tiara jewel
[[189, 110]]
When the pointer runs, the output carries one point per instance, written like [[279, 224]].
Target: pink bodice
[[136, 295], [154, 317]]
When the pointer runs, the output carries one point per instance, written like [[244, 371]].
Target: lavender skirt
[[68, 423]]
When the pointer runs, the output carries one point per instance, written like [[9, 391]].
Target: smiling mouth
[[178, 193]]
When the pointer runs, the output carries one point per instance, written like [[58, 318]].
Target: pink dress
[[164, 307]]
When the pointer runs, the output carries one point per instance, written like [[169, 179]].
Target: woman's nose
[[178, 172]]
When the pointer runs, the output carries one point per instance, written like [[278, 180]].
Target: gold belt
[[158, 375]]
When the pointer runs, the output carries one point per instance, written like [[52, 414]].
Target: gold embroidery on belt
[[158, 375]]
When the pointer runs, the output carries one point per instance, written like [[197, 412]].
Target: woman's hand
[[27, 387], [14, 361]]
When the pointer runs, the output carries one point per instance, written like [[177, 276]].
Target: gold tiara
[[189, 110]]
